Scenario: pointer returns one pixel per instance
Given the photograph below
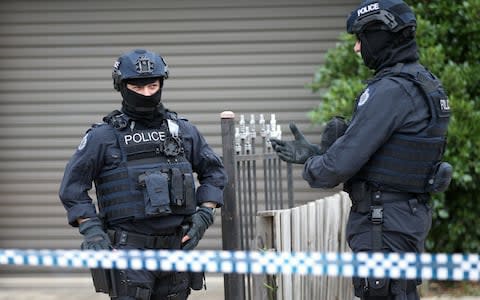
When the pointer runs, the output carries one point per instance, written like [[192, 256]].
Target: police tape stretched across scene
[[378, 264]]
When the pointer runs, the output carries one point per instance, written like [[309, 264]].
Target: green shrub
[[448, 35]]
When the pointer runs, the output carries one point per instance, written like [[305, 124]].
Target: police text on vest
[[444, 105], [141, 137]]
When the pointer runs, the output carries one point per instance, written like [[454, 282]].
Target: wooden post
[[264, 286], [234, 285]]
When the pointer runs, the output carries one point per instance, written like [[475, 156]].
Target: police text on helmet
[[141, 137], [367, 9]]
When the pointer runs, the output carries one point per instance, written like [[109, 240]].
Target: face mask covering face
[[139, 106]]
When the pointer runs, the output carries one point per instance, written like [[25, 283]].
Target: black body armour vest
[[154, 178], [409, 162]]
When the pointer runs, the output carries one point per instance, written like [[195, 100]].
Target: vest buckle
[[376, 215]]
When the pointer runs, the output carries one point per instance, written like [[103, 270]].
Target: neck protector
[[140, 107], [381, 49]]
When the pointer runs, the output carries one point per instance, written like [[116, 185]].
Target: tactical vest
[[409, 162], [154, 177]]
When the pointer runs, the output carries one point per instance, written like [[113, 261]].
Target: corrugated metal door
[[55, 65]]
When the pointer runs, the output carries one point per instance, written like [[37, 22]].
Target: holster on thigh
[[104, 281], [378, 287], [197, 280], [178, 286], [131, 287], [374, 287], [403, 287], [359, 286]]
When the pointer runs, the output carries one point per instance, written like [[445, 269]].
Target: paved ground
[[79, 287]]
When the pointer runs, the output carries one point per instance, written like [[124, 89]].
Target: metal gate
[[258, 181]]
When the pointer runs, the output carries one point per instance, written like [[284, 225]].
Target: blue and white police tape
[[363, 264]]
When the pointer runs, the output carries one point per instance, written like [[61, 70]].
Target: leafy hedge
[[448, 35]]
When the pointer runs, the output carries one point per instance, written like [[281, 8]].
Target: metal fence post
[[234, 285]]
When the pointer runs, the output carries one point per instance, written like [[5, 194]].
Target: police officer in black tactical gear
[[389, 155], [142, 159]]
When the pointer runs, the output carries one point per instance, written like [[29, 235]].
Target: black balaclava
[[381, 48], [140, 107]]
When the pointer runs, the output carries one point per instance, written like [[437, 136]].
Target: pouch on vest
[[176, 190], [155, 193], [440, 179], [189, 191], [182, 191]]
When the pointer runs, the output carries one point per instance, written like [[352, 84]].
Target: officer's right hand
[[296, 151], [95, 238]]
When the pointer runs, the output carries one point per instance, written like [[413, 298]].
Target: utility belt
[[365, 196], [368, 199], [170, 239], [106, 280]]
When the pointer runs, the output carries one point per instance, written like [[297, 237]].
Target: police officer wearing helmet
[[389, 155], [142, 159]]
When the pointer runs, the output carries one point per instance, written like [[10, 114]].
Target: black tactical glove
[[199, 222], [334, 129], [95, 238], [296, 151]]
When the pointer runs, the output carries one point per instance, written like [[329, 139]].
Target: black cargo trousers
[[143, 284], [406, 221]]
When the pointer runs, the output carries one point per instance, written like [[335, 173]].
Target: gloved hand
[[296, 151], [334, 129], [95, 238], [200, 221]]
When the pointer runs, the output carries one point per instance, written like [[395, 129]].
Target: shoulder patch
[[173, 127], [364, 97], [83, 142], [174, 116]]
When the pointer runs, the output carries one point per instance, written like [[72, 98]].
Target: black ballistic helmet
[[138, 64], [389, 15]]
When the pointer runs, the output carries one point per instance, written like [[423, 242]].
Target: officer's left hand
[[95, 238], [334, 129], [200, 221], [296, 151]]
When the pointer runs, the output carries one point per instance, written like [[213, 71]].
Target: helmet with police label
[[389, 15], [138, 63]]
